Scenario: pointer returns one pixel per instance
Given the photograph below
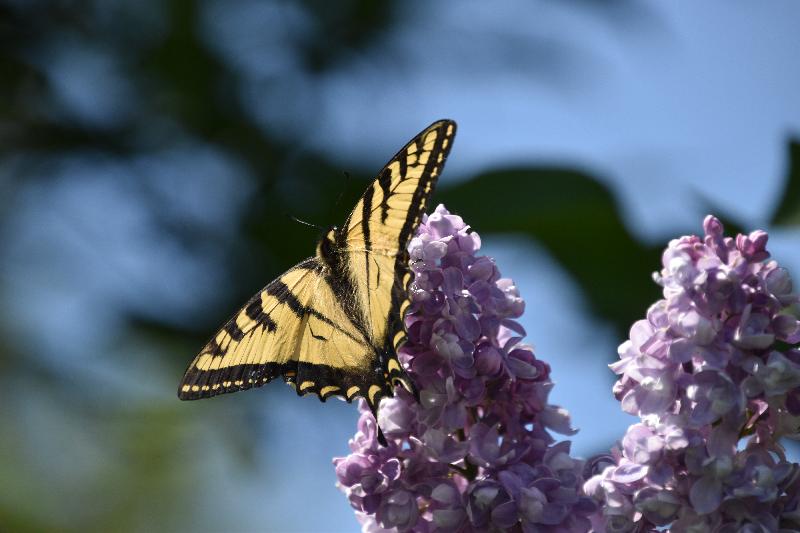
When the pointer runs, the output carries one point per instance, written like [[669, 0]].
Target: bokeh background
[[152, 153]]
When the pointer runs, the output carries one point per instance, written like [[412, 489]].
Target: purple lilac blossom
[[475, 453], [713, 372]]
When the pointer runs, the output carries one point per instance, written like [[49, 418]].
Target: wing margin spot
[[373, 390], [328, 390]]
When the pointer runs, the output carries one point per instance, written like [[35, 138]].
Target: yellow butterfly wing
[[294, 328], [331, 325], [377, 232]]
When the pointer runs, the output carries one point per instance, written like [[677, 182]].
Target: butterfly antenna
[[344, 187], [303, 222]]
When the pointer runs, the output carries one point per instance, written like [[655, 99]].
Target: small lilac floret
[[714, 374], [475, 453]]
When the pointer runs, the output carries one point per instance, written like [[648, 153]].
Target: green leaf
[[788, 211], [577, 220]]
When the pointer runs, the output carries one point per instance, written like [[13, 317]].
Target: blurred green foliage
[[787, 213], [577, 220]]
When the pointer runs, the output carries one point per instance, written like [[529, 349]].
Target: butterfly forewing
[[293, 328], [383, 221]]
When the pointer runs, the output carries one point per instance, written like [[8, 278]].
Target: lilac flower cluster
[[714, 374], [474, 454]]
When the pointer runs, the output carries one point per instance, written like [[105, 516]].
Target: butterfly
[[331, 325]]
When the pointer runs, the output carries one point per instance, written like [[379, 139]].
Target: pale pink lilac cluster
[[475, 453], [713, 372]]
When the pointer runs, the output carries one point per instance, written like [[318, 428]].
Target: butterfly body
[[331, 325]]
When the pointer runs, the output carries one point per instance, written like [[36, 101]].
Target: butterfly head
[[327, 245]]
